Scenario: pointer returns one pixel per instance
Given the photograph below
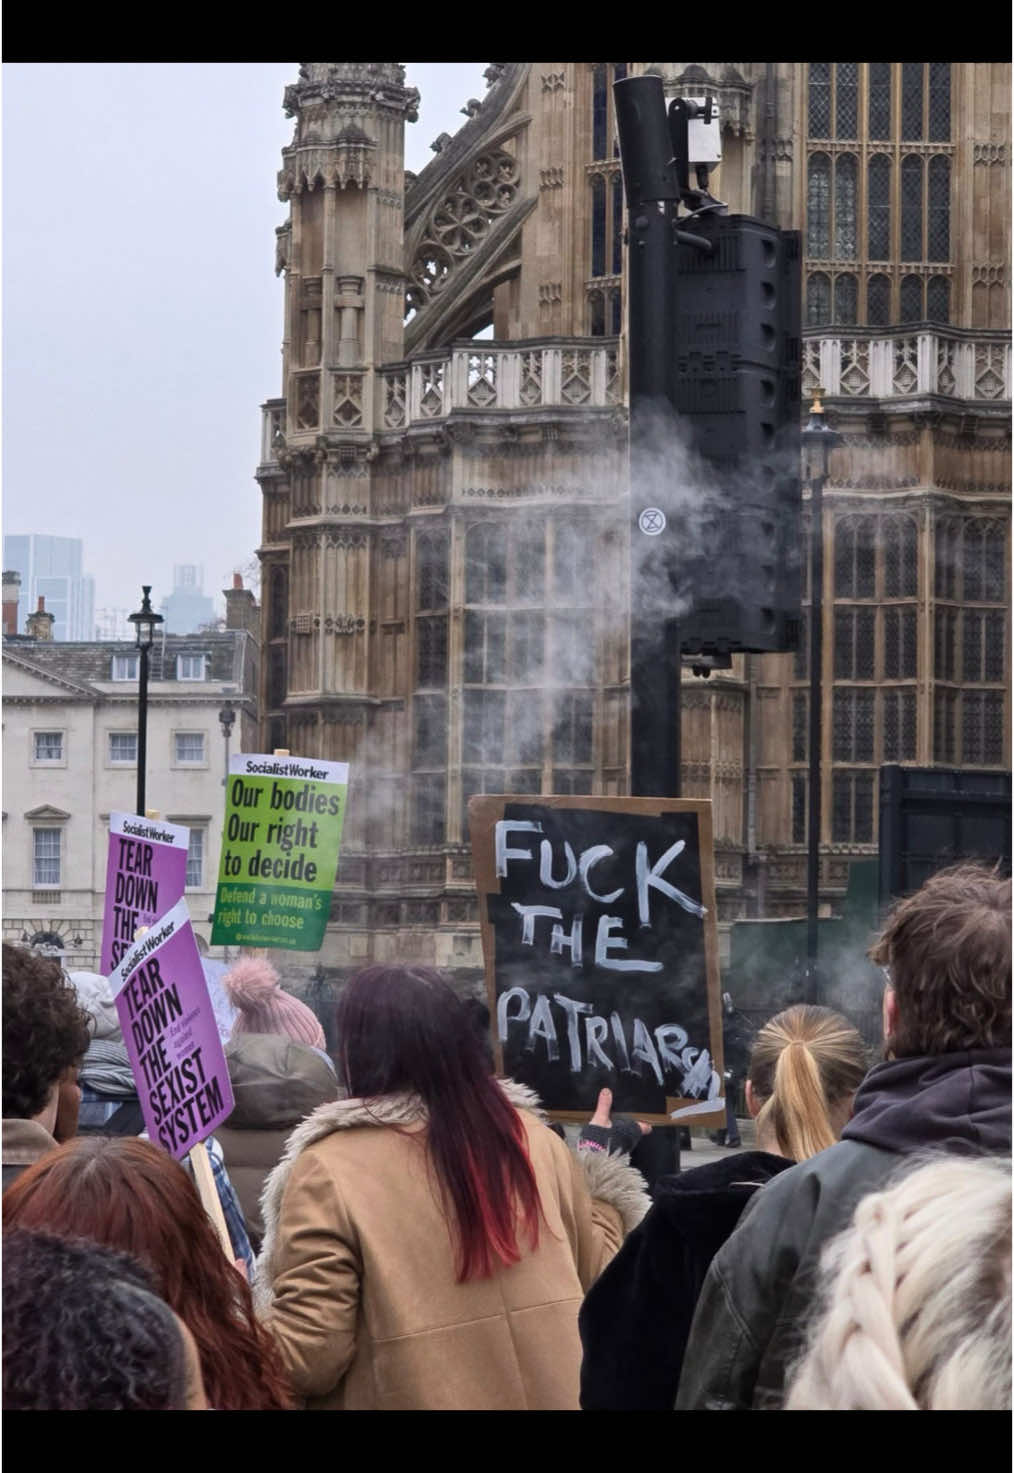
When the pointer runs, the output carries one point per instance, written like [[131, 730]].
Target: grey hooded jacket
[[754, 1309]]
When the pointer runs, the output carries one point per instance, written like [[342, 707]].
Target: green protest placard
[[283, 826]]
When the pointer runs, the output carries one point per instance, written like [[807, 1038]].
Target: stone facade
[[69, 752], [446, 516]]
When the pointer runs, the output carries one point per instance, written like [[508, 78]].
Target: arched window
[[938, 299], [911, 101], [854, 557], [820, 99], [598, 187], [279, 616], [845, 207], [818, 299], [946, 557], [938, 219], [600, 111], [845, 300], [911, 209], [878, 300], [596, 314], [911, 299], [940, 101], [846, 108], [984, 561], [617, 224], [616, 311], [879, 234], [880, 99], [818, 205], [431, 571], [972, 559], [619, 72], [486, 563], [995, 575], [900, 538]]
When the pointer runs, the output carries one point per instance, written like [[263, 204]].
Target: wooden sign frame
[[485, 811]]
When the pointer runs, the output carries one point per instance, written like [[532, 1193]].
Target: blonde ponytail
[[805, 1061]]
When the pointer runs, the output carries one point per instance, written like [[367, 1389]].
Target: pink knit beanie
[[252, 986]]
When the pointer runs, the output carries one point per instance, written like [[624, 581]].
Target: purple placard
[[146, 873], [171, 1035]]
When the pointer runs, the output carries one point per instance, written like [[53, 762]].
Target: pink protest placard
[[171, 1035], [146, 873]]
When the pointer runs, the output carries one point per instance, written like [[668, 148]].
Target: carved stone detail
[[461, 219], [553, 81], [308, 401], [348, 400], [344, 624], [989, 153], [551, 178], [550, 292], [395, 394], [346, 539]]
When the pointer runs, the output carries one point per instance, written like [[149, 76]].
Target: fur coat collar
[[609, 1177]]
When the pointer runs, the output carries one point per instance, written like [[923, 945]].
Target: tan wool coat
[[357, 1275]]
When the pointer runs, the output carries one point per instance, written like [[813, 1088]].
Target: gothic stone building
[[445, 511]]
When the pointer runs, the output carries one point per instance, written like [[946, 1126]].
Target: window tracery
[[938, 215], [846, 99], [899, 208], [938, 309], [846, 299], [459, 223], [879, 107]]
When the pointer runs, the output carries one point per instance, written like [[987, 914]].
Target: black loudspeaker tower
[[931, 817], [735, 385]]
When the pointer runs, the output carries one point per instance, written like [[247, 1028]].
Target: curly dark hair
[[84, 1331], [45, 1030], [131, 1195]]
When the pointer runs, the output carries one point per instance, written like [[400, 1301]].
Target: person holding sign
[[132, 1196], [429, 1239]]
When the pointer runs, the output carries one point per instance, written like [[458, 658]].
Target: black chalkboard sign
[[600, 944]]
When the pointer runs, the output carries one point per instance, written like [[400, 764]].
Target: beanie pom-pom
[[249, 982]]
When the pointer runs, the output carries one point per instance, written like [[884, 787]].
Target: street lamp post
[[818, 442], [226, 720], [145, 622]]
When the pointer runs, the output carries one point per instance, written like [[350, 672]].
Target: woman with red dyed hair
[[125, 1193], [429, 1239]]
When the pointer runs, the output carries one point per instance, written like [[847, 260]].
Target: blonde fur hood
[[610, 1177]]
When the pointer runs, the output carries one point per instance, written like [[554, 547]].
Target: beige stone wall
[[390, 432]]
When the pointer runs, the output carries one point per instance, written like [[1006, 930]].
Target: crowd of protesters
[[408, 1231]]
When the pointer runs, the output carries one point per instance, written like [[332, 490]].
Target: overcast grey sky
[[142, 319]]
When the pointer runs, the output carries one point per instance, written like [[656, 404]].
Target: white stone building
[[70, 726]]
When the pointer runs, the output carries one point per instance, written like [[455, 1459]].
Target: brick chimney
[[241, 611], [12, 588], [40, 624]]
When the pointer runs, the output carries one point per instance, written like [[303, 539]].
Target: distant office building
[[113, 624], [188, 607], [50, 568]]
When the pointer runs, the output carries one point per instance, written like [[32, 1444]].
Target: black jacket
[[636, 1316], [752, 1314]]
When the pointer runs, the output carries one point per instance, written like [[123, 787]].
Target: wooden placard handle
[[205, 1179]]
